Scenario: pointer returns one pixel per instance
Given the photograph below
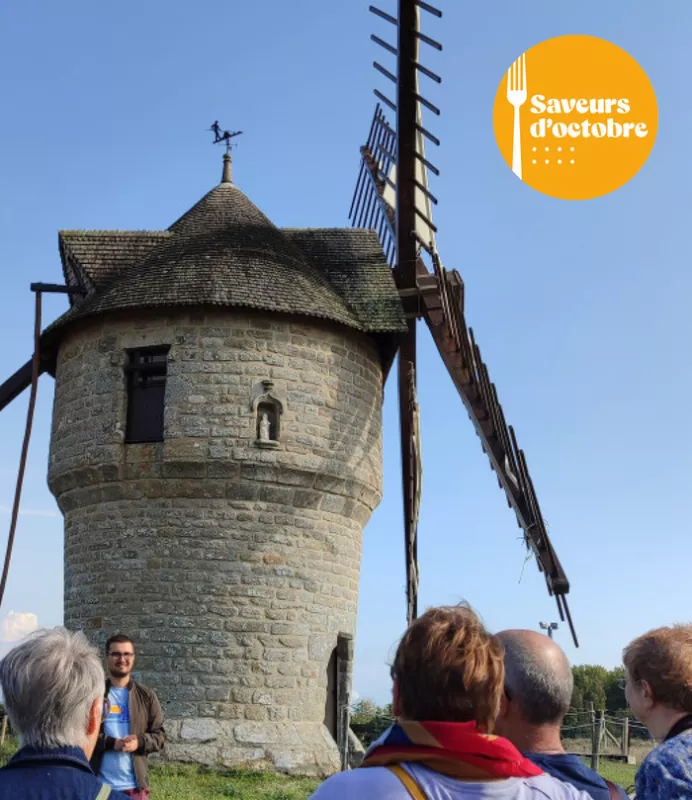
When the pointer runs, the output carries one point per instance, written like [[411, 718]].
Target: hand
[[130, 744]]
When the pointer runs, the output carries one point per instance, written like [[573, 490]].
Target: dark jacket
[[146, 723], [569, 768], [60, 773]]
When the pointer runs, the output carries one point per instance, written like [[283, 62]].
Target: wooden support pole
[[625, 744], [597, 739], [405, 276], [594, 736], [3, 732]]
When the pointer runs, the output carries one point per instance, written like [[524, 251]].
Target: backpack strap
[[409, 781], [104, 792], [613, 790]]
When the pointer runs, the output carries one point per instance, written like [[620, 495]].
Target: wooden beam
[[21, 380], [15, 385], [405, 277]]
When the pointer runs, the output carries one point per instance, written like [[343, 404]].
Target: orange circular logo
[[575, 117]]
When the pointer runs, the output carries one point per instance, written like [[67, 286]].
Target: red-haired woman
[[448, 678]]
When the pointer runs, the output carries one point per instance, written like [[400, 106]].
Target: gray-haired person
[[538, 692], [53, 689]]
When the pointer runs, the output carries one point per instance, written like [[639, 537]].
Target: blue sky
[[580, 308]]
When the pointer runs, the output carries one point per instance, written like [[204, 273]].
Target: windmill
[[392, 195], [185, 439]]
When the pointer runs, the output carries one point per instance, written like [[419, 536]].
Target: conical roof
[[225, 252]]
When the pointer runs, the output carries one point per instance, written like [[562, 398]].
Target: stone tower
[[216, 453]]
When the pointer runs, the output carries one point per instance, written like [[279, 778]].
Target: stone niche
[[267, 409]]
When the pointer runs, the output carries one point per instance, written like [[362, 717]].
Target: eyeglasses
[[622, 683], [123, 656]]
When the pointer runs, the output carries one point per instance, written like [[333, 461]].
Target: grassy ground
[[182, 781], [173, 781], [617, 772], [7, 751]]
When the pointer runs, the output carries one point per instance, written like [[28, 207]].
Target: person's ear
[[94, 722], [646, 694]]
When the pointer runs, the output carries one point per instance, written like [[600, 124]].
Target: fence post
[[625, 749], [594, 737], [597, 737], [3, 733], [602, 731]]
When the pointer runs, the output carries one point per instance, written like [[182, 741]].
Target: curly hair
[[449, 668], [663, 658]]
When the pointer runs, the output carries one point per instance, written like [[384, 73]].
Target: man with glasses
[[133, 727]]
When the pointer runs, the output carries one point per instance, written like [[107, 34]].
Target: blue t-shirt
[[569, 768], [117, 769]]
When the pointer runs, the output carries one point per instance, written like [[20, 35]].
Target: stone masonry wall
[[232, 567]]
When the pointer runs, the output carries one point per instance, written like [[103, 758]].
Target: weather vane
[[224, 136]]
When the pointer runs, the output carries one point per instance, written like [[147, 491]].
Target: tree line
[[592, 684]]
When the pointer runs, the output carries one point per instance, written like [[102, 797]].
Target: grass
[[173, 781], [617, 772]]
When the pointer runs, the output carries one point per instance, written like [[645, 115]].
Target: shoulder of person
[[547, 786], [143, 689], [671, 759], [365, 783], [670, 752]]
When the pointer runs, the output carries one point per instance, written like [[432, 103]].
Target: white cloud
[[15, 625], [31, 512]]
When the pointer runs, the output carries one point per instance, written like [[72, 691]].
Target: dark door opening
[[331, 708]]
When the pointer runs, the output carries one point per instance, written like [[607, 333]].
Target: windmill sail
[[425, 228], [393, 196]]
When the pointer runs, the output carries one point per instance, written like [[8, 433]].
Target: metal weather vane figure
[[224, 136]]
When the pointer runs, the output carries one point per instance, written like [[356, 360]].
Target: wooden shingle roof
[[225, 252], [105, 254]]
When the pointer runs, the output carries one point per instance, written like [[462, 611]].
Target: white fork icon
[[516, 96]]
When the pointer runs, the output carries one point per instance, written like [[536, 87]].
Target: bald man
[[538, 692]]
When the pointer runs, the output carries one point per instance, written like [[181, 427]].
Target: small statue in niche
[[267, 410], [264, 428]]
